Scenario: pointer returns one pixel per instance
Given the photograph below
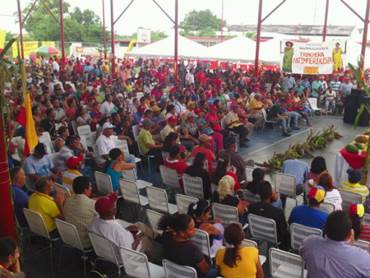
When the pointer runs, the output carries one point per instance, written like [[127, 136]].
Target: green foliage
[[82, 26], [155, 35], [201, 23], [251, 35]]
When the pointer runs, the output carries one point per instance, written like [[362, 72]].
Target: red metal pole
[[104, 32], [61, 22], [176, 40], [364, 36], [222, 20], [258, 38], [20, 28], [324, 31], [112, 39]]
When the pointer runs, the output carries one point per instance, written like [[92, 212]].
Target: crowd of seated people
[[193, 128]]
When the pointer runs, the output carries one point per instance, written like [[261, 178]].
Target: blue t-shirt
[[307, 216], [115, 177], [38, 166], [20, 198]]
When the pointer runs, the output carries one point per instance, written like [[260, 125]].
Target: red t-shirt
[[210, 156], [178, 165]]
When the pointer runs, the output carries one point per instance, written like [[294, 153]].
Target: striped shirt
[[356, 188], [365, 232], [69, 176]]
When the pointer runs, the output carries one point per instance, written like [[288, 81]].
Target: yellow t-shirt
[[69, 176], [144, 138], [356, 188], [255, 105], [46, 206], [246, 267]]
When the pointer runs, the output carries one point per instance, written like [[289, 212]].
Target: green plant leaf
[[7, 47], [360, 111]]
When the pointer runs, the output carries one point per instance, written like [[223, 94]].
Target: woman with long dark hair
[[236, 260], [178, 229], [197, 169]]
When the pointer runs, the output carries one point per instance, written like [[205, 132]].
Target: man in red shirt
[[205, 148], [174, 161]]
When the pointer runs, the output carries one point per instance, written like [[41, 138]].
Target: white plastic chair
[[249, 173], [285, 265], [299, 232], [158, 200], [201, 239], [136, 264], [135, 132], [290, 204], [366, 219], [85, 131], [349, 198], [46, 140], [130, 192], [252, 243], [183, 202], [250, 197], [285, 184], [227, 214], [153, 218], [326, 207], [70, 237], [106, 250], [313, 103], [263, 228], [363, 244], [172, 270], [267, 121], [169, 177], [37, 226], [103, 183], [132, 175], [193, 186], [64, 189]]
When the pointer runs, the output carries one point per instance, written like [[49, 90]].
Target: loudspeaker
[[351, 105]]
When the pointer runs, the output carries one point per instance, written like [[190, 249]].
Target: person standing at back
[[332, 256]]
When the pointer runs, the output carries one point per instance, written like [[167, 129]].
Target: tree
[[82, 26], [201, 23]]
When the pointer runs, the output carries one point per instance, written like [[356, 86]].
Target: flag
[[25, 119], [2, 38]]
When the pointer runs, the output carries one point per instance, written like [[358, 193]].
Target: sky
[[144, 13]]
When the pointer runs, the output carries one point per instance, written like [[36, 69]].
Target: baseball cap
[[317, 194], [172, 120], [106, 203], [107, 125], [204, 138], [357, 210], [73, 161]]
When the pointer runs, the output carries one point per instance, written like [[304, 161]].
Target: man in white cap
[[105, 143]]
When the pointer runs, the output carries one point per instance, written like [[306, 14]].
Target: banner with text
[[308, 58]]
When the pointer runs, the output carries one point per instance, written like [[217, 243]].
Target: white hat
[[107, 125]]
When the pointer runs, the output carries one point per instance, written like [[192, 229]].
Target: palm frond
[[7, 47]]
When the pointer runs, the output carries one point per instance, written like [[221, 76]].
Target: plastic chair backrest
[[172, 270], [157, 199], [36, 223], [299, 232], [363, 244], [262, 228], [193, 186], [349, 198], [84, 130], [169, 177], [326, 207], [135, 263], [69, 234], [227, 214], [285, 264], [153, 218], [183, 202], [201, 239], [103, 183], [249, 243], [285, 184], [104, 248], [249, 172], [290, 204], [129, 191]]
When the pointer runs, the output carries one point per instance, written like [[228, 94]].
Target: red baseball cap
[[106, 203], [73, 161]]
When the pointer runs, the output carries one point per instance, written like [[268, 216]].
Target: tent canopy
[[236, 49], [165, 49]]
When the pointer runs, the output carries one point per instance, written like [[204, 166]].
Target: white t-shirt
[[334, 197], [104, 145], [107, 108]]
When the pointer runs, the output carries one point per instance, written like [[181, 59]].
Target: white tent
[[165, 49], [270, 51], [238, 49]]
